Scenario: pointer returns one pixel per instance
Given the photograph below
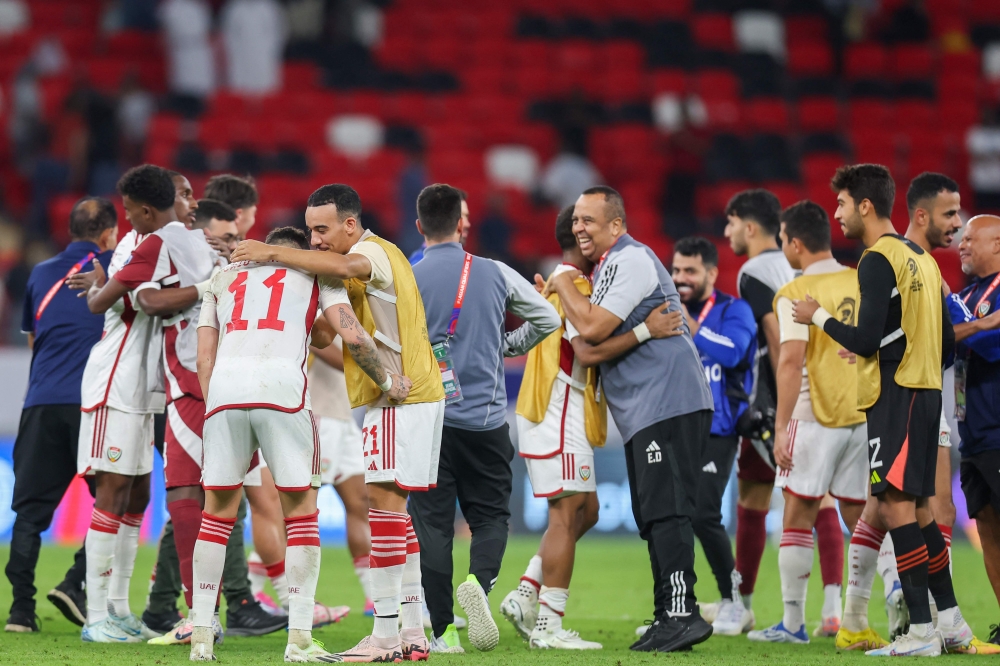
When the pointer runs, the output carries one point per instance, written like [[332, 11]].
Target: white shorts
[[561, 429], [944, 438], [115, 441], [340, 450], [567, 472], [253, 478], [833, 460], [289, 441], [403, 444]]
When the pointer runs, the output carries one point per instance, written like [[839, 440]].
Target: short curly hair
[[149, 184]]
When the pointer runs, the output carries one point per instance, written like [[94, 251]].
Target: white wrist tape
[[820, 317], [642, 332], [202, 287], [388, 383]]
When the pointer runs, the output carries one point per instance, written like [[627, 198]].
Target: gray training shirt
[[659, 379], [480, 343]]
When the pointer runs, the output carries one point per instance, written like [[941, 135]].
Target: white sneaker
[[106, 631], [134, 626], [483, 632], [897, 612], [520, 607], [202, 644], [732, 619], [709, 611], [779, 634], [956, 634], [909, 645], [312, 654], [563, 639]]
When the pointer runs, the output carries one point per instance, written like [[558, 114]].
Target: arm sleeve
[[758, 295], [957, 310], [209, 314], [877, 280], [624, 282], [788, 327], [332, 292], [540, 318], [730, 348], [381, 276]]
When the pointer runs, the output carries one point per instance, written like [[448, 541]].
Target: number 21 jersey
[[264, 314]]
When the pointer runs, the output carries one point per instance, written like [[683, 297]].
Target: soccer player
[[752, 229], [401, 442], [724, 332], [185, 203], [820, 436], [218, 219], [240, 194], [253, 338], [902, 335], [561, 416], [119, 401], [659, 399]]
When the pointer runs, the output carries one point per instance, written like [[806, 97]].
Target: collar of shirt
[[985, 280], [438, 247], [82, 247], [830, 265]]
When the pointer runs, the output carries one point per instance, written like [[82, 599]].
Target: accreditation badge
[[449, 379]]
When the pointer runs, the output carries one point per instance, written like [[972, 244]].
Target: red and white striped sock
[[862, 561], [795, 559], [411, 594], [276, 573], [361, 570], [126, 546], [302, 559], [388, 559], [100, 547], [209, 561]]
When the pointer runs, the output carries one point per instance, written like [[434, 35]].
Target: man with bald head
[[977, 385]]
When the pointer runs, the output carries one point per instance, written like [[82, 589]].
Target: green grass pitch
[[610, 597]]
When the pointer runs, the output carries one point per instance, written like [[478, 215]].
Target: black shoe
[[71, 600], [675, 634], [161, 622], [994, 634], [22, 622], [249, 619], [699, 631], [645, 637]]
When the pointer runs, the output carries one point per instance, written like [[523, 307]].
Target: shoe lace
[[569, 634], [318, 643]]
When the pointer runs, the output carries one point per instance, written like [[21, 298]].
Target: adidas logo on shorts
[[653, 453], [710, 468], [373, 467]]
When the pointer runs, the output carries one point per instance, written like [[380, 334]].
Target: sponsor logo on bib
[[114, 453], [585, 472]]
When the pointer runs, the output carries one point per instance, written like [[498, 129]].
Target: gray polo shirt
[[480, 343], [659, 379]]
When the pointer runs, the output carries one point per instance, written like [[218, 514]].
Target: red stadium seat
[[819, 114], [869, 113], [874, 146], [865, 61], [787, 193], [621, 55], [713, 31], [911, 61], [716, 83], [820, 167], [669, 80], [300, 75], [810, 59], [914, 115], [984, 11], [766, 115], [806, 30]]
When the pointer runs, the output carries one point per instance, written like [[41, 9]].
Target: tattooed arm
[[362, 348]]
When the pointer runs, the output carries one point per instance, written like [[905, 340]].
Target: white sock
[[795, 559], [862, 561], [258, 573], [922, 631], [303, 556], [950, 619], [534, 571], [388, 559], [887, 565], [551, 608], [100, 546], [831, 601], [361, 570], [126, 546], [411, 591], [207, 565]]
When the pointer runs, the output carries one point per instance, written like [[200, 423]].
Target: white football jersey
[[264, 314], [120, 365]]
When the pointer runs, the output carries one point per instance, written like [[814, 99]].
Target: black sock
[[938, 572], [911, 563]]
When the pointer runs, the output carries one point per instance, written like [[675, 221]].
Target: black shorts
[[903, 429], [980, 476], [664, 467]]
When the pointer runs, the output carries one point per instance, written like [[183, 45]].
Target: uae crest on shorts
[[585, 472], [114, 453]]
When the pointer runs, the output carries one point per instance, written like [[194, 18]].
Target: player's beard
[[854, 227], [936, 236]]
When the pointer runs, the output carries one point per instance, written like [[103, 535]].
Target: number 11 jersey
[[264, 314]]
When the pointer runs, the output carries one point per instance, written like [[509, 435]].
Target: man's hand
[[664, 324], [400, 388], [220, 247], [251, 250], [782, 455], [82, 282], [566, 276], [803, 311], [539, 283]]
